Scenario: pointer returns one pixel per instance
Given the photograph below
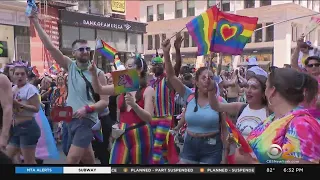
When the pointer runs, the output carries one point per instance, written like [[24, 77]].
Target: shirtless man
[[5, 110]]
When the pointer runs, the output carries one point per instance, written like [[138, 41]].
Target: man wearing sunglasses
[[300, 54], [84, 101]]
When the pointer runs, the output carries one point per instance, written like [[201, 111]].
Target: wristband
[[89, 109]]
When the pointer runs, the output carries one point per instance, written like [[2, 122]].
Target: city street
[[62, 159]]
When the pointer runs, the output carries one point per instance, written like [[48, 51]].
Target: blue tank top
[[77, 91]]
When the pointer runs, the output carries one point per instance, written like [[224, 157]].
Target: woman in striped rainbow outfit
[[136, 109]]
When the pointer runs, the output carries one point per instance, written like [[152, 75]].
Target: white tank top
[[249, 119]]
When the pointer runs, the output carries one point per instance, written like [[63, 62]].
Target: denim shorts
[[80, 132], [25, 134], [202, 150]]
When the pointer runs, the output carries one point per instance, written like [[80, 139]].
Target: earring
[[269, 102]]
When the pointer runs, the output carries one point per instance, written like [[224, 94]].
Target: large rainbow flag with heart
[[217, 31], [232, 32]]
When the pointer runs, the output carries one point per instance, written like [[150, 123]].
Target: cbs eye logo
[[275, 151]]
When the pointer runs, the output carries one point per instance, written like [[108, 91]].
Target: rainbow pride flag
[[117, 61], [46, 147], [106, 50], [201, 29], [238, 138], [232, 32], [54, 69], [98, 135]]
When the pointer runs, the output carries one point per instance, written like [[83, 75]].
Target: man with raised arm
[[84, 102], [6, 101]]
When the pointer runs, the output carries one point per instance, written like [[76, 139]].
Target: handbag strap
[[88, 84], [136, 126]]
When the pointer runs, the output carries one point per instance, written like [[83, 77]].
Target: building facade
[[125, 36], [271, 45], [49, 20], [14, 32]]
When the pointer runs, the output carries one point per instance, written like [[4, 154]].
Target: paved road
[[62, 159]]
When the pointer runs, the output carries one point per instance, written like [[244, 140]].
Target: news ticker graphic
[[133, 170]]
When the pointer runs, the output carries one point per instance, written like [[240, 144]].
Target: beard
[[83, 59]]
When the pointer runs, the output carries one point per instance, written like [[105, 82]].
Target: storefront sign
[[100, 22], [107, 25], [3, 49], [118, 6]]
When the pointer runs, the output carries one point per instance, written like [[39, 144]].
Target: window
[[318, 37], [149, 13], [186, 39], [258, 34], [87, 34], [225, 5], [119, 39], [269, 32], [313, 5], [309, 2], [106, 36], [194, 44], [265, 2], [69, 34], [140, 43], [312, 36], [97, 7], [190, 6], [163, 37], [160, 11], [157, 41], [178, 13], [150, 42], [294, 32], [22, 38], [248, 4], [83, 6], [249, 40], [132, 42], [211, 3]]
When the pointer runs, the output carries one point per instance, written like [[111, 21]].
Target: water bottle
[[30, 5]]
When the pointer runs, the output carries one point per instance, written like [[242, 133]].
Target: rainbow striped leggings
[[161, 127], [133, 147]]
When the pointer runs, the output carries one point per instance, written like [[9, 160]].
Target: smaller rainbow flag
[[117, 61], [106, 50], [201, 29], [239, 139], [54, 69], [98, 135]]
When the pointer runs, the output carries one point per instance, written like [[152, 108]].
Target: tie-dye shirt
[[296, 134]]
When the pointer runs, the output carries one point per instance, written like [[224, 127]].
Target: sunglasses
[[313, 65], [272, 68], [84, 48], [157, 64]]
